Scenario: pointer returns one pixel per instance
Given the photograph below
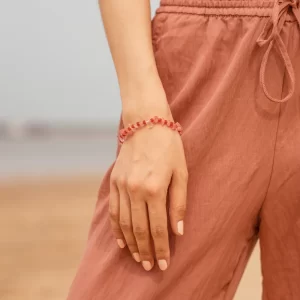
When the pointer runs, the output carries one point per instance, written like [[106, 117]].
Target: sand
[[43, 229]]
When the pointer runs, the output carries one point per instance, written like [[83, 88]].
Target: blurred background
[[59, 110]]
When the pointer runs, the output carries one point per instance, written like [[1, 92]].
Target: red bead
[[125, 132]]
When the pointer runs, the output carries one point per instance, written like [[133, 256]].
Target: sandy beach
[[43, 228]]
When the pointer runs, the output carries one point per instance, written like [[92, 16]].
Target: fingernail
[[180, 227], [121, 243], [136, 257], [147, 266], [162, 264]]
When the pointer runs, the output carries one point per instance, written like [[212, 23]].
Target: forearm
[[128, 29]]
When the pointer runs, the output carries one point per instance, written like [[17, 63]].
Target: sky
[[55, 64]]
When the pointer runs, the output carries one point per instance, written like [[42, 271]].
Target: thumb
[[177, 196]]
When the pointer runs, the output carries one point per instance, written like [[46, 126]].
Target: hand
[[150, 164]]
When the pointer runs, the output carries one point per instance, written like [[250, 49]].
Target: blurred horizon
[[34, 129]]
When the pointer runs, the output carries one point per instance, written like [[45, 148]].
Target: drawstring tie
[[275, 23]]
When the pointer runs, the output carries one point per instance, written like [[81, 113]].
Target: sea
[[62, 155]]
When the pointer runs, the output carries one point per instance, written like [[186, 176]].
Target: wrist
[[145, 107], [144, 112]]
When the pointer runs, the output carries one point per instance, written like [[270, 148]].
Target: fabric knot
[[271, 35]]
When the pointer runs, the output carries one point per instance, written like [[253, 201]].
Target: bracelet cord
[[131, 128]]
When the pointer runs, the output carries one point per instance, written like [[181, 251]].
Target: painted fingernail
[[121, 243], [147, 266], [162, 264], [136, 257], [180, 227]]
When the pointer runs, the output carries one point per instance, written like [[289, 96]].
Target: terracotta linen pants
[[231, 71]]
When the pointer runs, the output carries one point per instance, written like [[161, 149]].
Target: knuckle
[[158, 232], [121, 181], [131, 245], [140, 233], [113, 178], [114, 216], [153, 190], [179, 210], [125, 225], [160, 252], [184, 175], [145, 254], [116, 232], [133, 185]]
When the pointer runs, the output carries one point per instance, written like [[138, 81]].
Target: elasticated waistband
[[260, 8]]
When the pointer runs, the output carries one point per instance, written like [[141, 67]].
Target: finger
[[126, 224], [177, 196], [114, 214], [141, 231], [159, 231]]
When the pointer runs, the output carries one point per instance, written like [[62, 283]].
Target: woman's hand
[[150, 164]]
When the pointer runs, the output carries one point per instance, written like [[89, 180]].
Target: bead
[[124, 133], [149, 124]]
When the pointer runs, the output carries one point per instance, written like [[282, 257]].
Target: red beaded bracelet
[[125, 132]]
